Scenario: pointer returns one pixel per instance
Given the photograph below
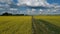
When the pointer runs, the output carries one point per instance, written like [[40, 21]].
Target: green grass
[[15, 25], [52, 19], [46, 25], [24, 25]]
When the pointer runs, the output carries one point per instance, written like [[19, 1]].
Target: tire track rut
[[40, 26]]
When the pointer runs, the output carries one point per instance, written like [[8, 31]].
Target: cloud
[[33, 2], [41, 10], [55, 7], [13, 9], [6, 1]]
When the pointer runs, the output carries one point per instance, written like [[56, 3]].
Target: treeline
[[10, 14], [49, 14]]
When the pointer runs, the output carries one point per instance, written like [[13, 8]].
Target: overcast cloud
[[55, 7], [33, 2]]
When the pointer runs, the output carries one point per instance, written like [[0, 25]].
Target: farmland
[[29, 25], [15, 25], [46, 24], [52, 19]]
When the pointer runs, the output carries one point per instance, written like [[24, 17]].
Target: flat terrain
[[46, 24], [29, 25], [52, 19], [15, 25]]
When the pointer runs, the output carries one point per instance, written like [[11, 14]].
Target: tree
[[6, 14]]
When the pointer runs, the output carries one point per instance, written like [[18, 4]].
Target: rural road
[[40, 26]]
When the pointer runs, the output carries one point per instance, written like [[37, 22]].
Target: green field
[[46, 24], [52, 19], [29, 25], [15, 25]]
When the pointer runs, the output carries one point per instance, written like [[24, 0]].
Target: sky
[[49, 1], [54, 4], [53, 1]]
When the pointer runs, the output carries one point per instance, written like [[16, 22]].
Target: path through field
[[28, 25], [44, 27]]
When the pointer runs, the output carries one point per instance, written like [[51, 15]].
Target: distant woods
[[10, 14]]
